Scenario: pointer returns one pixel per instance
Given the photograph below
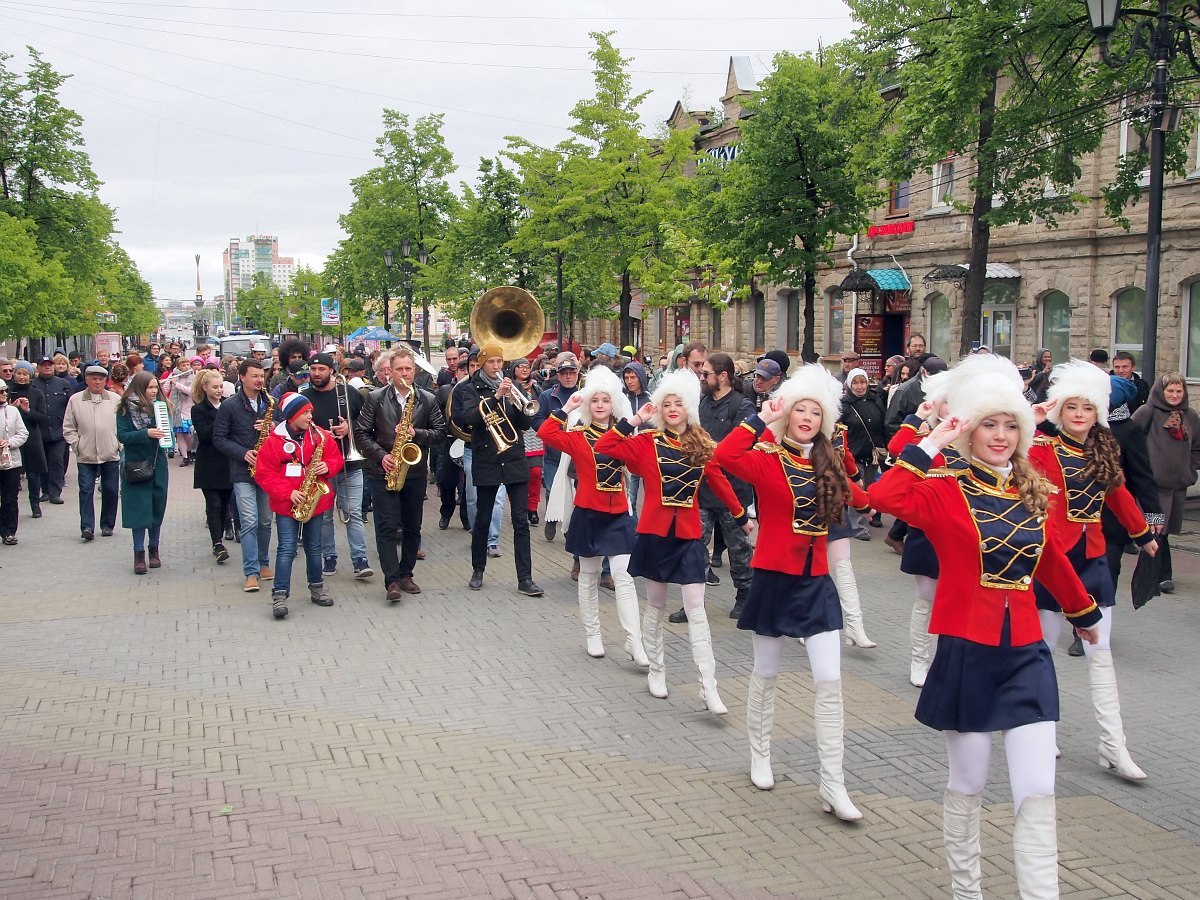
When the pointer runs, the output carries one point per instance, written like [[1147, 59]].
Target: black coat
[[863, 418], [33, 453], [375, 429], [906, 401], [57, 392], [487, 466], [1139, 477], [718, 418], [210, 470]]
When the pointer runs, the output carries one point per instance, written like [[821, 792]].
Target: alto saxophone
[[264, 431], [404, 452], [311, 486]]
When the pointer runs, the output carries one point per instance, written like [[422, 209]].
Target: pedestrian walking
[[211, 473], [144, 475], [57, 391], [90, 430], [30, 402], [13, 435]]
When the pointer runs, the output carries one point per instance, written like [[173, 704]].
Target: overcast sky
[[212, 119]]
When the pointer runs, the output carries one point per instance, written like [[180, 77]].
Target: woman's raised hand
[[645, 412], [772, 411], [573, 403], [949, 430], [1041, 410]]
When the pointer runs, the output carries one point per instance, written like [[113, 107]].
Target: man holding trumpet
[[399, 412]]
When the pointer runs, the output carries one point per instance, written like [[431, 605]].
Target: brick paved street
[[162, 736]]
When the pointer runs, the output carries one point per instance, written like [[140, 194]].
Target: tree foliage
[[262, 306]]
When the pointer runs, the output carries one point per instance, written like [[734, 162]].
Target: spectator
[[31, 404], [13, 436], [57, 392], [90, 429], [849, 364], [909, 397], [862, 414], [143, 502], [150, 360], [1122, 366]]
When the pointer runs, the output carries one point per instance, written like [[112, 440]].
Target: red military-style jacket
[[909, 432], [1076, 503], [670, 484], [849, 463], [600, 478], [790, 531], [989, 547]]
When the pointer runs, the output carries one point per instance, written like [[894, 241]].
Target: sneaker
[[317, 594], [533, 518], [230, 534], [476, 582], [527, 587], [551, 530], [717, 561], [862, 536], [493, 552], [56, 501], [279, 604], [362, 570], [678, 617], [1076, 648], [1167, 587], [711, 577], [220, 552], [330, 567], [106, 532], [876, 521], [251, 585]]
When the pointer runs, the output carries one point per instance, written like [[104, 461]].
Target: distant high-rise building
[[259, 253]]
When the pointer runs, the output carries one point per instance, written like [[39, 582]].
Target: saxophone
[[311, 486], [264, 430], [404, 452]]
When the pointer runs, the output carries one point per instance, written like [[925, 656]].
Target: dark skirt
[[977, 687], [593, 533], [842, 529], [669, 559], [783, 605], [919, 557], [1094, 573]]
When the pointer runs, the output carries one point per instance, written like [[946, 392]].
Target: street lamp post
[[1161, 35], [387, 261], [423, 259], [405, 250]]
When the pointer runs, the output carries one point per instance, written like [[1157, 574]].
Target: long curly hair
[[829, 473], [1033, 488], [697, 446], [1103, 455]]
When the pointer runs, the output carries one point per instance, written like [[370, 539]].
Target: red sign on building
[[887, 228]]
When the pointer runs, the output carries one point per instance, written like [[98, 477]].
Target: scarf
[[493, 383], [141, 417]]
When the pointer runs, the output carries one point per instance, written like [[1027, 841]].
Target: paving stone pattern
[[163, 736]]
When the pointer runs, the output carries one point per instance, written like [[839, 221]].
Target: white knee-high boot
[[652, 641], [589, 611], [760, 721], [852, 620], [960, 832], [1107, 703], [922, 641], [1035, 848], [830, 725], [627, 614], [702, 654]]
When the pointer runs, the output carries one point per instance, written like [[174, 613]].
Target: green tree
[[803, 175], [1015, 88], [127, 295], [304, 303], [263, 305], [31, 286]]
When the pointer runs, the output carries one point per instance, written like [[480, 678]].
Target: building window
[[661, 326], [835, 321], [792, 298], [717, 315], [1129, 320], [999, 315], [938, 316], [898, 192], [943, 183], [1056, 325], [758, 319], [1131, 140], [1192, 362]]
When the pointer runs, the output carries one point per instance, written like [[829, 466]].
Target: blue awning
[[890, 279]]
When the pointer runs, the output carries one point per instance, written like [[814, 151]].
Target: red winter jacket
[[282, 448]]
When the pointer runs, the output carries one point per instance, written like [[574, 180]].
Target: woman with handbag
[[143, 469]]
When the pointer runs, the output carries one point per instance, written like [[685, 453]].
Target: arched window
[[758, 319], [938, 339], [1129, 320], [1056, 325], [835, 321]]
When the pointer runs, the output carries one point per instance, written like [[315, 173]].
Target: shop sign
[[726, 154], [868, 335], [890, 228]]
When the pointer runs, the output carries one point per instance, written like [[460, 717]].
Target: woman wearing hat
[[600, 523], [143, 503], [672, 456], [991, 671], [802, 488], [1083, 462]]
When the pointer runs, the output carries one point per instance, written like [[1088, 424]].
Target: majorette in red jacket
[[909, 432], [671, 484], [989, 546], [1076, 503], [840, 445], [283, 449], [600, 478], [789, 529]]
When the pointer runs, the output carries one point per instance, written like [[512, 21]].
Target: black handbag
[[139, 471]]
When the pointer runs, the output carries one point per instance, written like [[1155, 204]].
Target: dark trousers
[[56, 467], [109, 476], [35, 482], [10, 489], [449, 476], [398, 512], [486, 500], [1165, 571], [216, 512]]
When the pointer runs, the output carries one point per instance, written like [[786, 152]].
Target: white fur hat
[[1079, 379], [602, 380], [810, 382], [684, 385], [986, 384]]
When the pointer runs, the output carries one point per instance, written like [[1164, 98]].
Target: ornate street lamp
[[387, 261], [405, 251], [423, 259]]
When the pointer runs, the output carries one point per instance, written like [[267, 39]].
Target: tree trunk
[[626, 302], [981, 230], [808, 351]]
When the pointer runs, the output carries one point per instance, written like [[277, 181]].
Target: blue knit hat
[[292, 404]]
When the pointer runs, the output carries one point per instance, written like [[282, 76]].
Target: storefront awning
[[858, 282], [863, 280], [958, 272]]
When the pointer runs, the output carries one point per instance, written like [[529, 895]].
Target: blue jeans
[[292, 532], [348, 490], [254, 517], [139, 537], [493, 536], [109, 475]]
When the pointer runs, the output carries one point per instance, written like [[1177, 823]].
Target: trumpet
[[342, 387], [519, 400]]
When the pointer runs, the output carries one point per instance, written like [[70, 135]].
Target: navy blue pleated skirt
[[918, 557], [670, 559], [782, 605], [1094, 573], [841, 530], [977, 687], [594, 533]]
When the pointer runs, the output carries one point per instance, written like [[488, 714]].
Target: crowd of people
[[1015, 492]]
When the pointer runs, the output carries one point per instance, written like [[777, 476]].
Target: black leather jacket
[[375, 428]]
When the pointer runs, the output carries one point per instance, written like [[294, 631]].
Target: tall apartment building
[[258, 254]]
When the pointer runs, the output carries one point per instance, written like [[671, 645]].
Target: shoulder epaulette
[[1043, 440], [768, 447]]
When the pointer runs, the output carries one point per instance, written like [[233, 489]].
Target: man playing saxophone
[[397, 429], [296, 468]]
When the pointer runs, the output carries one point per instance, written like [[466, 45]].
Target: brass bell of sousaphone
[[512, 319]]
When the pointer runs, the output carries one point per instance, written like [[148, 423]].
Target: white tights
[[836, 551], [926, 587], [824, 655], [1030, 752], [1052, 623], [617, 565], [656, 592]]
